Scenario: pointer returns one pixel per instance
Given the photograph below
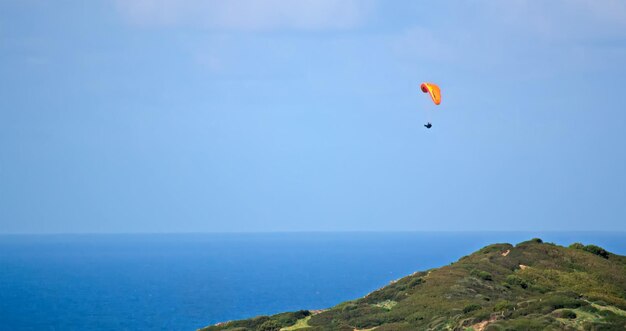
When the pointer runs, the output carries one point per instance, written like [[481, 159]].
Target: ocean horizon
[[187, 281]]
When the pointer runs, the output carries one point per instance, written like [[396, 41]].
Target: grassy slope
[[300, 324], [535, 286]]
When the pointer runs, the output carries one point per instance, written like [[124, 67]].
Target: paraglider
[[433, 90], [435, 94]]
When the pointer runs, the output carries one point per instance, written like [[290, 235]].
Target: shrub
[[606, 313], [287, 319], [471, 307], [525, 324], [516, 281], [589, 309], [539, 288], [482, 315], [416, 281], [415, 317], [349, 306], [485, 275], [323, 318], [270, 325], [560, 301], [566, 313], [577, 246], [482, 274], [597, 251], [503, 305], [494, 248], [396, 327], [531, 241]]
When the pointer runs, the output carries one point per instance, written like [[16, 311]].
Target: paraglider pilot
[[428, 126]]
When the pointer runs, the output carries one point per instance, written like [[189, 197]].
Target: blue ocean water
[[183, 282]]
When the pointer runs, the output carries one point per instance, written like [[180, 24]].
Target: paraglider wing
[[433, 90]]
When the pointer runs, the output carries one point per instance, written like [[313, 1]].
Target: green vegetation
[[270, 325], [264, 323], [566, 313], [300, 324], [593, 249], [530, 286], [597, 251], [515, 280], [482, 274], [387, 304], [470, 308], [577, 246]]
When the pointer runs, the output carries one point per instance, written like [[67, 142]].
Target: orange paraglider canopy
[[433, 90]]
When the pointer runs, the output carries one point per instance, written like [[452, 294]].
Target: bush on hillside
[[290, 318], [516, 281], [577, 246], [531, 241], [471, 307], [566, 313], [597, 251], [503, 305], [270, 325], [561, 301], [415, 281], [481, 274]]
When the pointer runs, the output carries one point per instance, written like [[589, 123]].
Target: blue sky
[[250, 115]]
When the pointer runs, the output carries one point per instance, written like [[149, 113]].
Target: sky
[[265, 115]]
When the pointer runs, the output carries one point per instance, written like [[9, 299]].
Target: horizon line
[[302, 232]]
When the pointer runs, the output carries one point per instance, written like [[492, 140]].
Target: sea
[[188, 281]]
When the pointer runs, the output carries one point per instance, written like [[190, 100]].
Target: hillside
[[529, 286]]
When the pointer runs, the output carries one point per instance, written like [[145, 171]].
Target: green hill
[[530, 286]]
